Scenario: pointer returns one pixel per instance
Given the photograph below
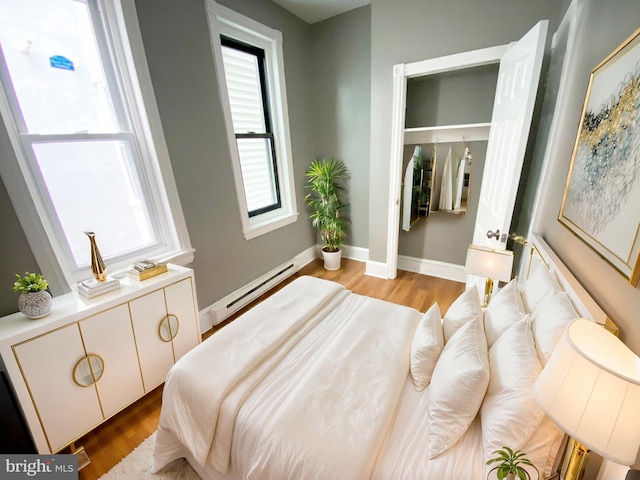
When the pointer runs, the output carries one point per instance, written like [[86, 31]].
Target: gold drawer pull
[[168, 328], [88, 370]]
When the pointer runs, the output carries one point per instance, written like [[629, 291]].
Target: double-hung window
[[246, 78], [248, 59], [88, 158]]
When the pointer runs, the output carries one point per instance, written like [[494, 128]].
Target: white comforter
[[333, 405]]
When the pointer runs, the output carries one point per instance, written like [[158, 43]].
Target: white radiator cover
[[245, 295], [227, 306]]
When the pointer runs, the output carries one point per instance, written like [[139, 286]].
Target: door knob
[[495, 234]]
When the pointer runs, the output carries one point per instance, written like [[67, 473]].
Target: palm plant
[[509, 462], [327, 200]]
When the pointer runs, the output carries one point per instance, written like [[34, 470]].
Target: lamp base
[[577, 462], [488, 290]]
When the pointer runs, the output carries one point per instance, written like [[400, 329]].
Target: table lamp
[[489, 263], [590, 388]]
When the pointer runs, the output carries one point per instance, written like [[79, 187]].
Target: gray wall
[[327, 69], [341, 95], [16, 255], [462, 97], [404, 31], [177, 44], [603, 28]]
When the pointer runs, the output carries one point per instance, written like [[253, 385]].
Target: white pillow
[[505, 309], [509, 412], [457, 388], [549, 321], [466, 307], [428, 343], [539, 283], [543, 447]]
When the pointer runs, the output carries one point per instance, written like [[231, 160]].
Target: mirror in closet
[[445, 112], [417, 187]]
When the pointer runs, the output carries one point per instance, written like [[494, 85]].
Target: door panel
[[66, 409], [110, 335], [510, 123], [156, 355], [180, 302]]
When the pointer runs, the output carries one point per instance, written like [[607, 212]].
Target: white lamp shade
[[591, 389], [489, 263]]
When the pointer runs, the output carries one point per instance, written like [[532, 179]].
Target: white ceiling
[[312, 11]]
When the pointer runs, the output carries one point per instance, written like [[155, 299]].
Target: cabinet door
[[180, 302], [155, 354], [66, 409], [110, 336]]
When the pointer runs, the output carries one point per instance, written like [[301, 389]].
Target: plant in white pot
[[509, 465], [328, 201], [34, 300]]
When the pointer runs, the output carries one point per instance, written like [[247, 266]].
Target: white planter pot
[[35, 304], [331, 259]]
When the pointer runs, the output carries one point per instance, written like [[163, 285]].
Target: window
[[248, 59], [245, 73], [87, 156]]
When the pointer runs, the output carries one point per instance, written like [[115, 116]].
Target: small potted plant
[[327, 201], [509, 465], [34, 300]]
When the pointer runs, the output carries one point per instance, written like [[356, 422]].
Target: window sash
[[140, 135], [259, 183], [73, 250], [225, 21]]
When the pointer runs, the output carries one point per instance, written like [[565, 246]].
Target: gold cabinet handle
[[168, 328], [88, 370]]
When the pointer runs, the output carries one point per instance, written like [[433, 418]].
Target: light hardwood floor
[[113, 440]]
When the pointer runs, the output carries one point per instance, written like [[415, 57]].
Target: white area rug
[[137, 464]]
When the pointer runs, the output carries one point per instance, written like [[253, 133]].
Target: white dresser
[[89, 359]]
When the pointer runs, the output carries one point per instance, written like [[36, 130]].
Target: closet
[[445, 115], [503, 135]]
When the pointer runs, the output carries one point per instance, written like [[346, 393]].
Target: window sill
[[261, 226]]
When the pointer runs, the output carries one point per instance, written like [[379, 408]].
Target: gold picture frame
[[601, 201]]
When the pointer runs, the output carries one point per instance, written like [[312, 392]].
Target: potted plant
[[509, 464], [34, 300], [328, 201]]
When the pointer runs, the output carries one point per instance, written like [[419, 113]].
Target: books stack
[[146, 269], [92, 287]]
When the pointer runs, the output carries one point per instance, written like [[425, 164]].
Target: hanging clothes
[[452, 184], [459, 184], [446, 186]]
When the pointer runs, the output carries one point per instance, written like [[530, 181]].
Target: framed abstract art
[[601, 201]]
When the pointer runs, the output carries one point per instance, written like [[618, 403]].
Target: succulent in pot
[[510, 464], [34, 300]]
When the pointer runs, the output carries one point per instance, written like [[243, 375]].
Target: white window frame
[[224, 21], [46, 241]]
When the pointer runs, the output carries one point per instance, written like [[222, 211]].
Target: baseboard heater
[[238, 299]]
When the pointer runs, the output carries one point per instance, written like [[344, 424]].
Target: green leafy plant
[[327, 200], [510, 461], [29, 282]]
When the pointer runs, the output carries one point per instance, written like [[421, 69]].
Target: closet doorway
[[519, 71]]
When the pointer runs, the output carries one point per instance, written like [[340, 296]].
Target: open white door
[[510, 122]]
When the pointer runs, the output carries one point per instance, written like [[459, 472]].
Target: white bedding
[[333, 396], [312, 383]]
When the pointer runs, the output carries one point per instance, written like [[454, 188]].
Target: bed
[[319, 382]]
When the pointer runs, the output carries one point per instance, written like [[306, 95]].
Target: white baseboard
[[355, 253], [223, 308], [434, 268], [377, 269]]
